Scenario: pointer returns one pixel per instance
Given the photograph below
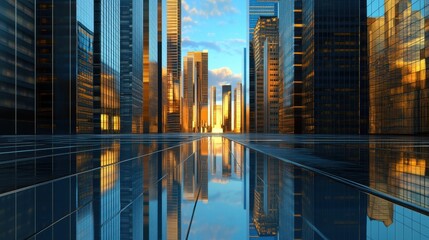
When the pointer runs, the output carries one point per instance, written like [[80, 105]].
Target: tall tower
[[154, 65], [256, 8], [290, 66], [46, 65], [265, 45], [398, 67], [195, 92], [17, 68], [174, 64], [335, 70], [238, 117], [131, 66], [106, 66]]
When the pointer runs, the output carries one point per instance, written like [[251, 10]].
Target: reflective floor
[[180, 186]]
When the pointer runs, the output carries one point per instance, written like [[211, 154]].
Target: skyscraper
[[212, 107], [17, 67], [195, 92], [131, 66], [238, 117], [46, 65], [245, 110], [154, 61], [290, 61], [398, 53], [106, 66], [226, 108], [335, 76], [256, 8], [265, 45], [174, 64]]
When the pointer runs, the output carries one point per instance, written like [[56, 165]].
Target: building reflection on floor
[[212, 188]]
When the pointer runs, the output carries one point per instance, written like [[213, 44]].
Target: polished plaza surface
[[186, 186]]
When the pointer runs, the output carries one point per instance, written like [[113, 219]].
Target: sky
[[218, 26]]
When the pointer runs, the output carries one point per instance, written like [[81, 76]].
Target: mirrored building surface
[[397, 60], [193, 187]]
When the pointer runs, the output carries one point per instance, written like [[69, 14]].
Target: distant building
[[265, 45], [195, 92], [226, 108], [238, 117], [212, 107]]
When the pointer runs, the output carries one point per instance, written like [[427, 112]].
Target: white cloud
[[210, 8]]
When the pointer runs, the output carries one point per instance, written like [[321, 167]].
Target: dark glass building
[[335, 76], [398, 53], [47, 67], [64, 67], [290, 60], [131, 66], [107, 66], [257, 8], [17, 67]]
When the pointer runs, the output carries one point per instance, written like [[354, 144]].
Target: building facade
[[131, 66], [290, 69], [335, 76], [265, 36], [238, 108], [174, 64], [399, 95], [226, 108], [195, 92], [106, 66], [271, 85], [47, 67], [212, 107], [256, 8], [17, 67]]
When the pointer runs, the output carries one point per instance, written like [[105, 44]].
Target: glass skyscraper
[[265, 45], [174, 64], [107, 66], [290, 60], [398, 53], [47, 67], [256, 8], [335, 76], [17, 67], [131, 66]]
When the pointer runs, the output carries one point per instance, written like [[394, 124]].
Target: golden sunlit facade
[[399, 96], [271, 85], [226, 108], [195, 92], [266, 30], [174, 64], [238, 101]]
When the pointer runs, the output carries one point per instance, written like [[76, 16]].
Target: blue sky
[[218, 26]]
